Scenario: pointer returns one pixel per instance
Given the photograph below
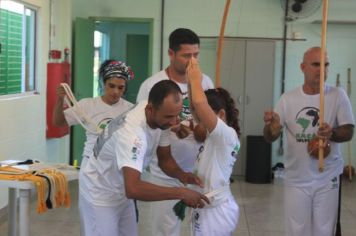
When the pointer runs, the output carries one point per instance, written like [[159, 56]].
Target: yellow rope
[[59, 185], [62, 194], [12, 173]]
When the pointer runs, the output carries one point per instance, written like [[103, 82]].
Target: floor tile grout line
[[243, 206]]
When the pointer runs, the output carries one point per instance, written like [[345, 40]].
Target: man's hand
[[193, 199], [182, 130], [325, 131], [272, 127], [271, 118], [189, 178]]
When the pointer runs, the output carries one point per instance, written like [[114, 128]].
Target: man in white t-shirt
[[111, 177], [310, 196], [183, 45]]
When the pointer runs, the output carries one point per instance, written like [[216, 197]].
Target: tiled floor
[[261, 213]]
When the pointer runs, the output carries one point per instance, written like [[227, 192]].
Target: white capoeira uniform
[[214, 166], [99, 113], [310, 196], [127, 141], [163, 220]]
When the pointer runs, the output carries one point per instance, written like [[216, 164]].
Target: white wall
[[23, 118]]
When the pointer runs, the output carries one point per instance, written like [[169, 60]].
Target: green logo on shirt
[[235, 151], [307, 118], [334, 183], [134, 150], [185, 114]]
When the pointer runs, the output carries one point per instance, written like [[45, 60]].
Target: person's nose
[[117, 91]]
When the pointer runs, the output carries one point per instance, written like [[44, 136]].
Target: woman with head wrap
[[94, 114], [100, 110]]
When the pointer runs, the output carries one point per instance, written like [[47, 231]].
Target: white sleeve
[[222, 132], [344, 110], [165, 138], [70, 114], [143, 92], [130, 150], [207, 83], [279, 109]]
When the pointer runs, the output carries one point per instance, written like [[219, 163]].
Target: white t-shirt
[[99, 113], [217, 156], [299, 114], [126, 141], [184, 151]]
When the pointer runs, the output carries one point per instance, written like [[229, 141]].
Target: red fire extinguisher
[[57, 72]]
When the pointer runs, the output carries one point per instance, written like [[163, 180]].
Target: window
[[101, 53], [17, 48]]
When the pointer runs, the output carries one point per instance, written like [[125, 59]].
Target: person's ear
[[302, 66], [170, 53], [149, 109], [222, 114]]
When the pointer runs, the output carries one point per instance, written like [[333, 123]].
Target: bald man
[[310, 196]]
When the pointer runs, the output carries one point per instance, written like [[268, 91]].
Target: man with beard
[[112, 176]]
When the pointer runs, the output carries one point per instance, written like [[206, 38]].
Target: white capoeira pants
[[164, 222], [107, 221], [311, 211], [217, 220]]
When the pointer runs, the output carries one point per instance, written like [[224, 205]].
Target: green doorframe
[[83, 57], [82, 81]]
